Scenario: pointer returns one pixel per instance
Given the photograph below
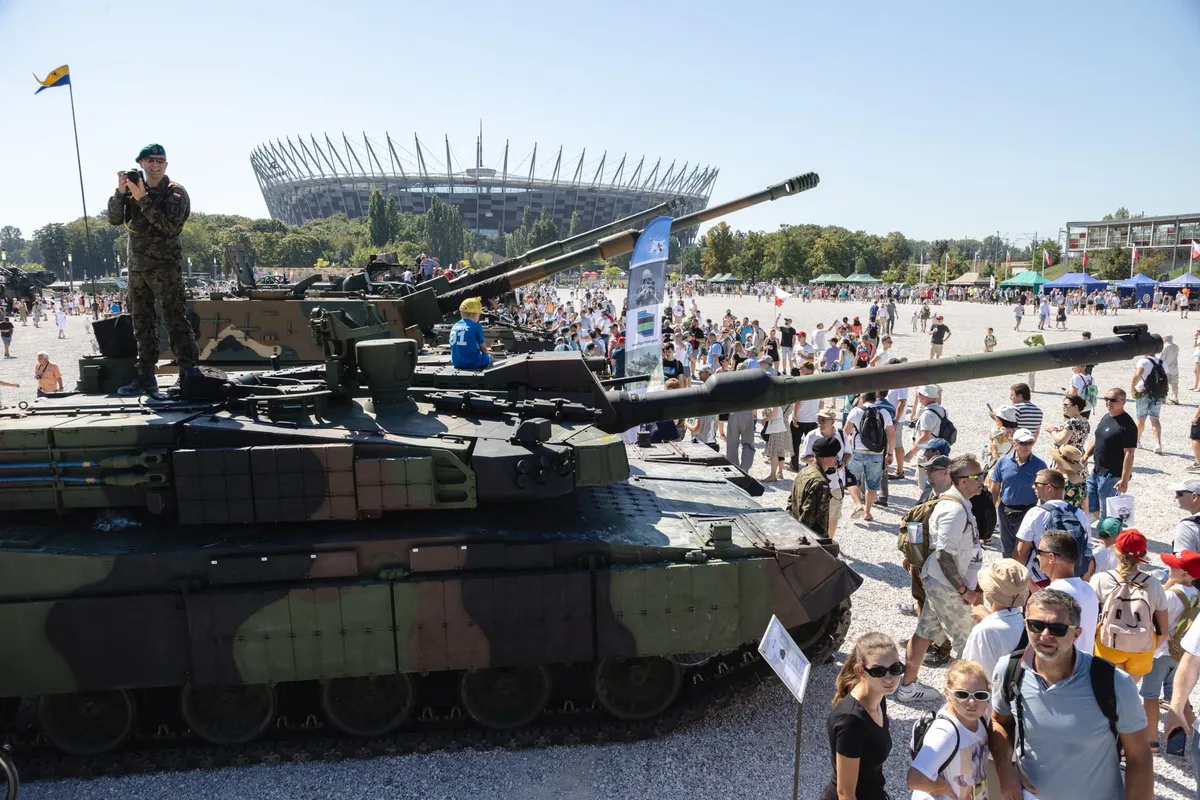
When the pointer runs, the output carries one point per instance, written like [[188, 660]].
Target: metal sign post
[[780, 650]]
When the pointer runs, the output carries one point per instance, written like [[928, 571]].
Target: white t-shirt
[[994, 637], [1105, 557], [807, 412], [1175, 609], [60, 317], [1032, 526], [1089, 606], [1080, 383], [967, 769], [1144, 365], [894, 397], [820, 339], [1191, 644], [855, 420], [806, 451], [931, 418]]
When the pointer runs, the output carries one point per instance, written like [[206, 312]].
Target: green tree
[[54, 244], [689, 259], [895, 251], [576, 227], [379, 224], [718, 250], [1051, 247], [12, 243], [543, 232], [444, 232], [299, 250], [1110, 264], [751, 256], [392, 216], [611, 274]]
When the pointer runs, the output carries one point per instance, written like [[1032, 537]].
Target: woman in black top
[[859, 740]]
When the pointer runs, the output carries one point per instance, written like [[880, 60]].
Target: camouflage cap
[[151, 150]]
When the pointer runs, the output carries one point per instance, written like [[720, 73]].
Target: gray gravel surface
[[746, 748]]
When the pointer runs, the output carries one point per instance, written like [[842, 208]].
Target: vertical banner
[[643, 315]]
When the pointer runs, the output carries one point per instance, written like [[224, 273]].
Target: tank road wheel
[[505, 697], [822, 637], [368, 706], [229, 715], [87, 723], [637, 688]]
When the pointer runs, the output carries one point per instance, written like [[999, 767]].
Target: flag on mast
[[1135, 254], [1046, 257], [57, 77], [1195, 253], [1085, 260], [781, 296]]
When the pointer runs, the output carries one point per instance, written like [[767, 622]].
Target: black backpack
[[921, 727], [946, 430], [1103, 676], [873, 433], [1155, 383]]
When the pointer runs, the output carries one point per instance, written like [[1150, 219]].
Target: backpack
[[1126, 617], [1191, 609], [1062, 518], [921, 727], [873, 433], [915, 552], [1103, 677], [1090, 392], [946, 430], [1155, 383]]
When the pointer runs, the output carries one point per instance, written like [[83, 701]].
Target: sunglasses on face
[[972, 477], [963, 694], [1114, 399], [1059, 629], [879, 672], [1183, 492]]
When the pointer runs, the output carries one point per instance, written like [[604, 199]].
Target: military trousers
[[164, 285]]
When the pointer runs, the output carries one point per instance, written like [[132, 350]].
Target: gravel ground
[[745, 749]]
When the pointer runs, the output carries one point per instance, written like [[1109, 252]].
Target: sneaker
[[1194, 467], [936, 658], [142, 384], [1158, 449], [914, 692], [1177, 742]]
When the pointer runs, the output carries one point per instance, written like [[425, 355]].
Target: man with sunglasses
[[154, 213], [1049, 708], [950, 572], [1187, 533], [1114, 446], [1050, 487], [1012, 480]]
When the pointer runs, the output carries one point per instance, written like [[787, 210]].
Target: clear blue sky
[[935, 119]]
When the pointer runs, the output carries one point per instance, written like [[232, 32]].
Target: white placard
[[785, 657]]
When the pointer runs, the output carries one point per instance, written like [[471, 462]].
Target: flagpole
[[87, 232]]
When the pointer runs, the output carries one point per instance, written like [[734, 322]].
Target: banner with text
[[644, 308]]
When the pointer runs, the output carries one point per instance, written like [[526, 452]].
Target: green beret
[[151, 150]]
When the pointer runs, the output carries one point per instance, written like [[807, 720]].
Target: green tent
[[862, 277], [1026, 280], [829, 277]]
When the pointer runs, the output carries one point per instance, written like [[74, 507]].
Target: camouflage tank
[[386, 549], [261, 324]]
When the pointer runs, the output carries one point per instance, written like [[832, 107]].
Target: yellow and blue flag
[[59, 77]]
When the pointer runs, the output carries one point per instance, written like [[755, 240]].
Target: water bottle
[[916, 533]]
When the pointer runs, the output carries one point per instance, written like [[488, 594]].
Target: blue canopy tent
[[1186, 279], [1141, 287], [1075, 280]]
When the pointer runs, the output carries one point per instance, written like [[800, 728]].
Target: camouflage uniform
[[810, 498], [156, 269]]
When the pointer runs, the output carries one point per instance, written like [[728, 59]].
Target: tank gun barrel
[[752, 389], [616, 245], [560, 246]]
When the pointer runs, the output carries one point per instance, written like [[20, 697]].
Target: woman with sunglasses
[[859, 739], [952, 761]]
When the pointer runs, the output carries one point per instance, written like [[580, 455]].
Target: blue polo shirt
[[1017, 479], [1069, 750]]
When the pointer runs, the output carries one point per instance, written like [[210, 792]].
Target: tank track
[[708, 686]]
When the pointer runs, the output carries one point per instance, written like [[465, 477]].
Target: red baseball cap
[[620, 340], [1131, 542], [1187, 561]]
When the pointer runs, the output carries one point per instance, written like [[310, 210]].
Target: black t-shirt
[[672, 369], [853, 734], [786, 334], [1113, 435], [6, 327], [939, 334]]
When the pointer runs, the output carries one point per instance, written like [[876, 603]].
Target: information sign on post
[[780, 650]]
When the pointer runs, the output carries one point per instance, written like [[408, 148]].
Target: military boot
[[144, 383]]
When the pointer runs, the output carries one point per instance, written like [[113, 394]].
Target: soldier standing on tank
[[154, 213]]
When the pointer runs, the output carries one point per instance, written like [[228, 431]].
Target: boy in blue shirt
[[468, 348]]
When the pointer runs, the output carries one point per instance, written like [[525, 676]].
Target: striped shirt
[[1029, 416]]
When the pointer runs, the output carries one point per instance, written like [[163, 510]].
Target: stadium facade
[[1172, 235], [313, 178]]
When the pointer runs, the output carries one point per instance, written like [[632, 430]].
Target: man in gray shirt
[[1187, 533], [1064, 743]]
